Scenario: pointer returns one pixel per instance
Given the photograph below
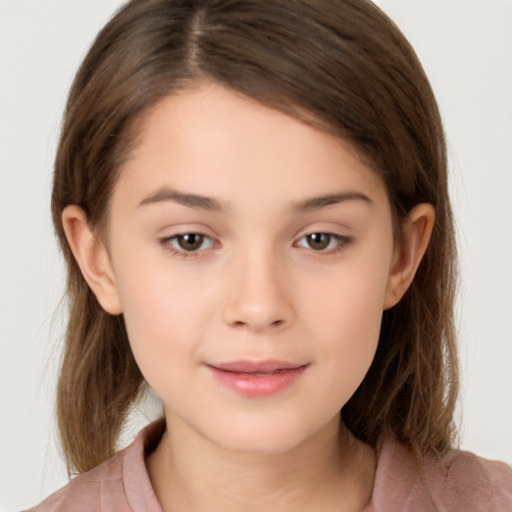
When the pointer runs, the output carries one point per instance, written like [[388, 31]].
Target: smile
[[257, 379]]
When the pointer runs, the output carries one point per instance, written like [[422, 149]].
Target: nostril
[[258, 326]]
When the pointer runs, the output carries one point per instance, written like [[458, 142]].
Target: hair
[[348, 67]]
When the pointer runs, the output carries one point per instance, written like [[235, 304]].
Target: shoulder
[[458, 481], [84, 491], [462, 479], [116, 485]]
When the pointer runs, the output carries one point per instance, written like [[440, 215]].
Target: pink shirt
[[461, 482]]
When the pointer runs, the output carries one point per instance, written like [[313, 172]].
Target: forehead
[[212, 141]]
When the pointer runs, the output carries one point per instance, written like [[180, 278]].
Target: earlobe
[[416, 233], [92, 257]]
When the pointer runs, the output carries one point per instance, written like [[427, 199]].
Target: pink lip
[[257, 378]]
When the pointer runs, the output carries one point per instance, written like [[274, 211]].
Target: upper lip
[[248, 366]]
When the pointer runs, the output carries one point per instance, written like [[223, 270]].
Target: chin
[[259, 437]]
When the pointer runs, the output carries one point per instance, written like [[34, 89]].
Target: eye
[[188, 242], [323, 241]]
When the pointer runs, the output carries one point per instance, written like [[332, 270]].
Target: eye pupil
[[191, 241], [318, 241]]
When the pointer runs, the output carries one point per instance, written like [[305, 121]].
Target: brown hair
[[345, 64]]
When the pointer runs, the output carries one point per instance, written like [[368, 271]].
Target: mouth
[[257, 379]]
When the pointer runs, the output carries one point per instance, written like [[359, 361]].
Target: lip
[[257, 379]]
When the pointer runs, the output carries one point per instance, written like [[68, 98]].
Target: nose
[[258, 298]]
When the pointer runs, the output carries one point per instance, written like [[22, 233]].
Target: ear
[[416, 232], [92, 257]]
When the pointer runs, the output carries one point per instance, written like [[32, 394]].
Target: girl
[[251, 197]]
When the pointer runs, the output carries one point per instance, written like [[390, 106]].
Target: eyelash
[[341, 242], [167, 243]]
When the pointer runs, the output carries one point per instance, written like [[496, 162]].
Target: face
[[251, 256]]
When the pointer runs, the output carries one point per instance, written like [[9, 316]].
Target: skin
[[255, 288]]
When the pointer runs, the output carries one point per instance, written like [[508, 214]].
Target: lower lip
[[258, 385]]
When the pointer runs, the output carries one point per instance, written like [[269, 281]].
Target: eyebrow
[[183, 198], [208, 203], [315, 203]]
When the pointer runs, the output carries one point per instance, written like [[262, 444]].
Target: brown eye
[[187, 245], [324, 242], [319, 241], [190, 241]]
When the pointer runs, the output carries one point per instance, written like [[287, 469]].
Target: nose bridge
[[258, 297]]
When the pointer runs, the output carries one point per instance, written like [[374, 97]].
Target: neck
[[330, 471]]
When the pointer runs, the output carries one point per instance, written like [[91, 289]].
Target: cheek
[[346, 321], [164, 336], [161, 306], [349, 299]]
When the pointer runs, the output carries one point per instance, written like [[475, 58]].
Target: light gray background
[[466, 48]]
